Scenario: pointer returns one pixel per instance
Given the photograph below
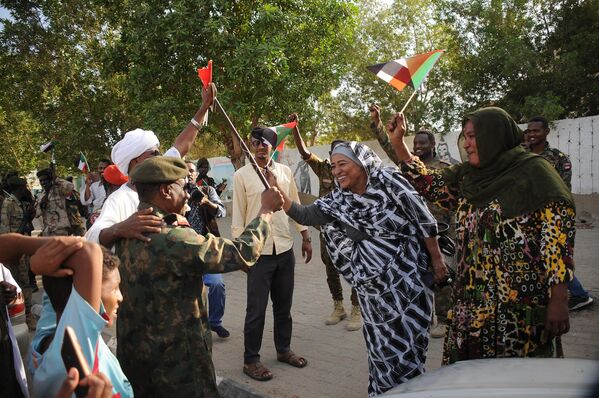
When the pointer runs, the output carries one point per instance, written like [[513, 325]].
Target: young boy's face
[[111, 294]]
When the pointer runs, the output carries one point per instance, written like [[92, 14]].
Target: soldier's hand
[[139, 223], [375, 113], [272, 200], [48, 258], [396, 127]]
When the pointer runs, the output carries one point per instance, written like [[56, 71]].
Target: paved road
[[337, 358]]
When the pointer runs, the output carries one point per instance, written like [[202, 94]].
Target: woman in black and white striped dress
[[382, 239]]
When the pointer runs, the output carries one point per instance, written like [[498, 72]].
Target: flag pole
[[408, 101], [244, 147]]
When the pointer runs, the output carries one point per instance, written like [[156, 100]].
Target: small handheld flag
[[282, 131], [407, 71], [82, 165], [48, 146], [205, 75]]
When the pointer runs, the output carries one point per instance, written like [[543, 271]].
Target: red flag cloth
[[205, 74], [113, 175]]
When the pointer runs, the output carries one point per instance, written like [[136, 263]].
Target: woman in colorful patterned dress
[[382, 240], [515, 237]]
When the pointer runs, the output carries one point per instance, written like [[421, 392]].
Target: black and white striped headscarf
[[390, 212]]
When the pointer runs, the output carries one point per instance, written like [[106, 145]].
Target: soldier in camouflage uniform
[[424, 148], [326, 181], [536, 135], [15, 216], [164, 342], [58, 207]]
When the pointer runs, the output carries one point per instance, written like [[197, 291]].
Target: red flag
[[205, 74]]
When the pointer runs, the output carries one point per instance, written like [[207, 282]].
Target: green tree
[[51, 62], [391, 32], [270, 58], [85, 72]]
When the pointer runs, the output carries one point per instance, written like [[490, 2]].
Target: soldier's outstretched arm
[[217, 255]]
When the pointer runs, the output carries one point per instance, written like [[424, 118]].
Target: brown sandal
[[292, 359], [257, 371]]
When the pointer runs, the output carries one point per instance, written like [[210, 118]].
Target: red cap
[[113, 175]]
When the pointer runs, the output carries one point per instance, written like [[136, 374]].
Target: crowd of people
[[149, 252]]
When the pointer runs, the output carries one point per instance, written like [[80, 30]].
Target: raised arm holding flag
[[205, 75]]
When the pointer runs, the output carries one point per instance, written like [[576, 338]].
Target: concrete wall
[[577, 138]]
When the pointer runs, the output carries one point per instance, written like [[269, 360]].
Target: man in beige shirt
[[274, 272]]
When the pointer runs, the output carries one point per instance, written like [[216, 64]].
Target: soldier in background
[[164, 340], [16, 215], [59, 206], [536, 135]]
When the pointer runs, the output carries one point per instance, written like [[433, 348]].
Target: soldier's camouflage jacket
[[560, 161], [164, 343], [11, 215]]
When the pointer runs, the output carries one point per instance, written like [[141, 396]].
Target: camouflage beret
[[16, 182], [159, 170]]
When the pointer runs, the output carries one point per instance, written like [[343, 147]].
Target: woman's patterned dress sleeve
[[429, 183]]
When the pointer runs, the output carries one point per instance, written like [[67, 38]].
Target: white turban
[[133, 144]]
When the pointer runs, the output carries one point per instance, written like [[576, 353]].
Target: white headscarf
[[133, 144]]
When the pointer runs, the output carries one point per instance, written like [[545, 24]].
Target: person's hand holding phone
[[98, 384]]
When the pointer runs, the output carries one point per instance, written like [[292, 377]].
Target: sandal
[[257, 371], [292, 359]]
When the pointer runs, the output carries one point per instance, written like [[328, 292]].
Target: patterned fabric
[[326, 183], [386, 268], [11, 216], [378, 130], [560, 161], [52, 207], [505, 269], [322, 169], [164, 338], [201, 218]]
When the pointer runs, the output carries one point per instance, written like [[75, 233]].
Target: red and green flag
[[282, 131], [82, 165], [407, 71]]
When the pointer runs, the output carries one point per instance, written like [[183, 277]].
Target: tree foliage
[[84, 72], [527, 56], [88, 71]]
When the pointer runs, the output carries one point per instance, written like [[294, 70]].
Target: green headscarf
[[521, 181]]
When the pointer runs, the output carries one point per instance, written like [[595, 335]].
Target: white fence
[[576, 138]]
